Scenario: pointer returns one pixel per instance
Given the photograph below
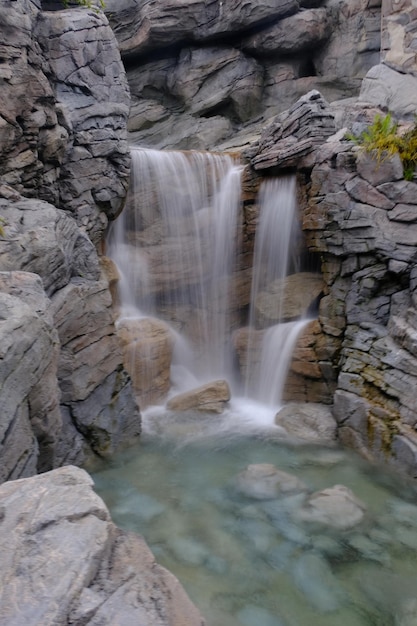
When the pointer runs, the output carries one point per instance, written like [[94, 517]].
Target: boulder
[[336, 507], [309, 422], [211, 397], [264, 481], [288, 298], [390, 90], [64, 561], [147, 353]]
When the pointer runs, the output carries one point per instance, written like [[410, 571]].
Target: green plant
[[383, 139], [84, 3]]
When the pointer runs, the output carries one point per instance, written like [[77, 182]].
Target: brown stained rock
[[211, 397], [288, 298], [147, 353]]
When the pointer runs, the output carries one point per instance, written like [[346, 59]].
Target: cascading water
[[260, 533], [175, 246], [275, 254]]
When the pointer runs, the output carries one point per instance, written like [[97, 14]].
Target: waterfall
[[175, 245], [269, 352]]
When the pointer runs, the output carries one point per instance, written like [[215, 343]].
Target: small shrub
[[382, 139]]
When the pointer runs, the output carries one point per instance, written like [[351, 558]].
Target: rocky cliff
[[201, 70], [64, 166]]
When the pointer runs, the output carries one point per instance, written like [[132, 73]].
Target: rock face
[[200, 69], [64, 561], [64, 167], [64, 107]]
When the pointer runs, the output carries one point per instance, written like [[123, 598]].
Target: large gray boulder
[[391, 90], [64, 561]]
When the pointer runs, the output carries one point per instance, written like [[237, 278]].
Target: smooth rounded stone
[[190, 550], [315, 579], [259, 534], [211, 397], [139, 505], [336, 507], [288, 298], [252, 615], [310, 422], [264, 481]]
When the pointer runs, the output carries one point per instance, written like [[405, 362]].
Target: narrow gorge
[[207, 292]]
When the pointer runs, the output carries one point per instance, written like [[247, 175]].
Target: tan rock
[[310, 422], [211, 397], [147, 353], [287, 299], [263, 481]]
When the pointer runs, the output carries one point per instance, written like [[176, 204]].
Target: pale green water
[[247, 562]]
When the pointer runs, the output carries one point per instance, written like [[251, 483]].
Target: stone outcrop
[[361, 218], [64, 561], [64, 106], [64, 165], [200, 70], [211, 398]]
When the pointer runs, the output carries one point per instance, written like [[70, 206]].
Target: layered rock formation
[[64, 165], [199, 70]]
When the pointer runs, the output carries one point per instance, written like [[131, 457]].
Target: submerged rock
[[264, 481], [211, 397], [65, 562], [309, 422], [336, 507]]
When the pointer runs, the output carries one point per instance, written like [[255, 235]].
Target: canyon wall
[[64, 166]]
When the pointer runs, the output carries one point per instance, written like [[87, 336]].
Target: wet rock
[[211, 397], [308, 422], [147, 353], [265, 482], [61, 552], [314, 578], [336, 507], [288, 299]]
